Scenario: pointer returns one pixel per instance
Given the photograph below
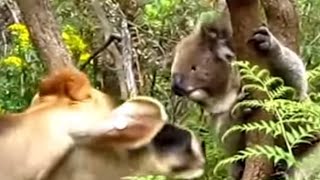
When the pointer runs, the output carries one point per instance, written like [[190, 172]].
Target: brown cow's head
[[72, 131], [137, 133], [202, 68]]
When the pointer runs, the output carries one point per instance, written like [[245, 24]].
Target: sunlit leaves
[[13, 61], [21, 36], [75, 44]]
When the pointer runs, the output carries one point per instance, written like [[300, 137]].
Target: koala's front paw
[[261, 40]]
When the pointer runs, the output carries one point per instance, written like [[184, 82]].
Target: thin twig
[[13, 14], [153, 82], [98, 51], [5, 44]]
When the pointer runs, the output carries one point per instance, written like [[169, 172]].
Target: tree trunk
[[245, 17], [45, 33], [283, 21]]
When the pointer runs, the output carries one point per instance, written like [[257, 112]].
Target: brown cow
[[72, 131]]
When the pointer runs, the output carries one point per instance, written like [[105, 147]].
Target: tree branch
[[112, 38], [127, 59], [14, 15], [45, 33], [118, 89]]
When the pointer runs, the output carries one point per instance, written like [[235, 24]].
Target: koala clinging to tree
[[281, 61], [202, 71]]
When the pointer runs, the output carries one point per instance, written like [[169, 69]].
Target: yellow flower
[[19, 28], [22, 33], [65, 36], [13, 61], [74, 42], [84, 57]]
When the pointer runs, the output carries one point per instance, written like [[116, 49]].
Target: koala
[[281, 61], [202, 71]]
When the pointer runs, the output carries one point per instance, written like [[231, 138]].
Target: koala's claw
[[261, 40]]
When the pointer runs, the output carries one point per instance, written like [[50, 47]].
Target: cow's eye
[[193, 68]]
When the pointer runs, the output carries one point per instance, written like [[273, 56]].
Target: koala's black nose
[[177, 85]]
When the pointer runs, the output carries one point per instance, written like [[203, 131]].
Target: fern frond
[[227, 161], [296, 122], [247, 104], [274, 153], [250, 78], [297, 135], [273, 81], [281, 92], [252, 88], [269, 127], [313, 75]]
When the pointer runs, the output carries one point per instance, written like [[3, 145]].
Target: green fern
[[274, 153], [295, 122]]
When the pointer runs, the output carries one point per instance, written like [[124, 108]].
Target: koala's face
[[202, 65]]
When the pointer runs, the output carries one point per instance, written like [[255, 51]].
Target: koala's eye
[[193, 68]]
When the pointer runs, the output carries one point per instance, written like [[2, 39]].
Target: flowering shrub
[[22, 44], [21, 38], [75, 44], [13, 61], [21, 68]]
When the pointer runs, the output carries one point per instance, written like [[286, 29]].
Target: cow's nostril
[[176, 90], [203, 147]]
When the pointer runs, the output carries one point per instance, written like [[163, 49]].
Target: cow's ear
[[131, 125]]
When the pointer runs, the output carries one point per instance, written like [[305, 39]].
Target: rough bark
[[283, 21], [45, 33], [128, 60], [131, 7], [9, 13], [245, 17], [113, 81]]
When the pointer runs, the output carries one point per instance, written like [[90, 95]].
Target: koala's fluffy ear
[[131, 125], [214, 25]]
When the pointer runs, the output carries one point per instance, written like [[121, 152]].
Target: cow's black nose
[[203, 147], [177, 85]]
